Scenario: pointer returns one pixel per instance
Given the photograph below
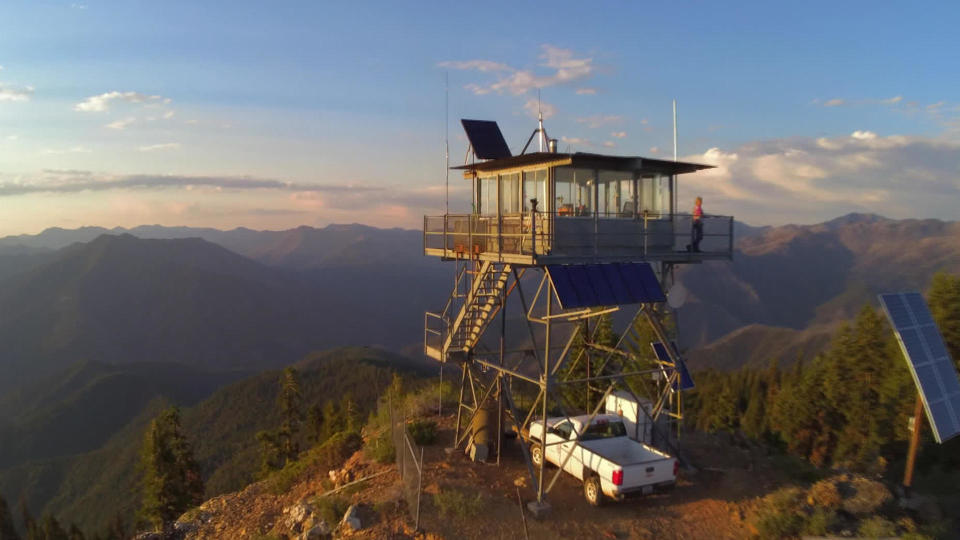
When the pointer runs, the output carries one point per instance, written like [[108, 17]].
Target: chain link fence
[[409, 456]]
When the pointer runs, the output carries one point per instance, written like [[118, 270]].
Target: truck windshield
[[603, 430]]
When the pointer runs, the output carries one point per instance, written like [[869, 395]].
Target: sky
[[271, 115]]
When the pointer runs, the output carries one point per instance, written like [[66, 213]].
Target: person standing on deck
[[696, 232]]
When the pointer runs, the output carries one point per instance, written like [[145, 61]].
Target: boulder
[[351, 519]]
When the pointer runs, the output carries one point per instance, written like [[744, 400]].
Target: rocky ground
[[462, 499]]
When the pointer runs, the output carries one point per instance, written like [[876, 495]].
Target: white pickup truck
[[605, 459]]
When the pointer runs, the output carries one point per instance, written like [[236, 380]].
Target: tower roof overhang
[[585, 160]]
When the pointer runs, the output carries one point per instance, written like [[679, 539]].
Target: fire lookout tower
[[591, 234]]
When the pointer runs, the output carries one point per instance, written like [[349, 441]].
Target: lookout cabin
[[547, 207]]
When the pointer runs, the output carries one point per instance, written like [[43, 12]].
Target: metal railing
[[575, 236]]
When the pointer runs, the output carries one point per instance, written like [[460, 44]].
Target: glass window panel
[[650, 196], [510, 193], [574, 191], [488, 196], [616, 193], [535, 187]]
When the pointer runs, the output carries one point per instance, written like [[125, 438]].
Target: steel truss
[[546, 365]]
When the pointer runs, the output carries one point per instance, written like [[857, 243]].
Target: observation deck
[[550, 208]]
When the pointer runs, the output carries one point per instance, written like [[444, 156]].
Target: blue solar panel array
[[589, 285], [929, 361], [686, 380], [486, 139]]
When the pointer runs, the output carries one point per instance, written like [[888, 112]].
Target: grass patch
[[424, 432], [329, 455], [455, 503], [331, 508]]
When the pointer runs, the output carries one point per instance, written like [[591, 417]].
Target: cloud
[[618, 134], [533, 107], [161, 146], [807, 180], [654, 149], [838, 102], [562, 66], [12, 137], [600, 120], [586, 91], [477, 65], [101, 103], [15, 93], [79, 149], [121, 124], [609, 144], [574, 141], [60, 181], [168, 115]]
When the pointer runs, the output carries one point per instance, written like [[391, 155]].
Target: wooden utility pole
[[914, 442]]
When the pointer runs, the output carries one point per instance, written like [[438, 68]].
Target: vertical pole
[[674, 130], [545, 385], [440, 392], [416, 526], [503, 337], [914, 442], [463, 377]]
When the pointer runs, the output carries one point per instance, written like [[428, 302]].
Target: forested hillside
[[848, 407], [91, 489]]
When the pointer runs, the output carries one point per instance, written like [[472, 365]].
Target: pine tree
[[52, 530], [171, 481], [7, 530], [315, 424], [290, 402], [74, 533], [270, 453], [944, 300], [29, 524]]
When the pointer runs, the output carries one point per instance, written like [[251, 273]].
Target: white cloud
[[101, 103], [618, 134], [586, 91], [121, 124], [168, 115], [15, 93], [609, 144], [806, 180], [12, 137], [835, 102], [79, 149], [574, 141], [654, 149], [600, 120], [478, 65], [533, 107], [563, 66], [158, 147]]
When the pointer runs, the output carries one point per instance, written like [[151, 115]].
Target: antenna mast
[[446, 138], [674, 130]]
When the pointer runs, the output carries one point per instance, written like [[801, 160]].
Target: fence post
[[416, 526]]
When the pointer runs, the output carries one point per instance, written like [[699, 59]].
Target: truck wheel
[[536, 455], [592, 491]]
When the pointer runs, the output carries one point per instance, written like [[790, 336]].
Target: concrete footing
[[538, 509]]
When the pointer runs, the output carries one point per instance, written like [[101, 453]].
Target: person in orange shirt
[[696, 232]]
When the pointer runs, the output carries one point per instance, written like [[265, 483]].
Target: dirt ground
[[709, 503]]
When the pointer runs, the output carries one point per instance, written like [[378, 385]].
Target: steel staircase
[[477, 308]]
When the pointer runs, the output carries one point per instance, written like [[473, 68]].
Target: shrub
[[424, 432], [779, 514], [864, 496], [824, 494], [381, 449], [821, 522], [331, 509], [457, 503], [877, 527], [329, 455]]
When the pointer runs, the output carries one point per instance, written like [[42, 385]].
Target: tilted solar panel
[[590, 285], [686, 380], [929, 360], [486, 139]]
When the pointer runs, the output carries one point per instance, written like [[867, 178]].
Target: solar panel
[[486, 139], [929, 361], [686, 380], [589, 285]]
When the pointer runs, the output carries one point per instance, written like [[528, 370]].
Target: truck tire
[[536, 454], [592, 490]]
